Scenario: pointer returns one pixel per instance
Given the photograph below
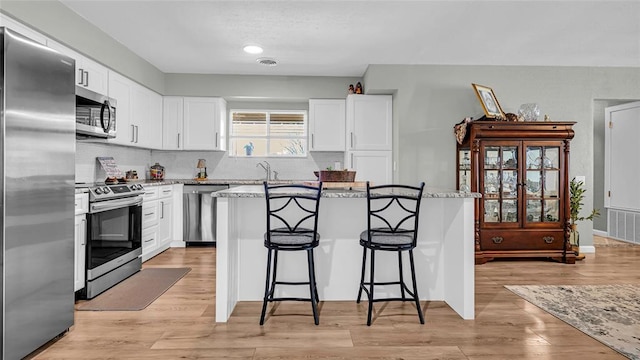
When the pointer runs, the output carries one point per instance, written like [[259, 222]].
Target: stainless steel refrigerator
[[37, 145]]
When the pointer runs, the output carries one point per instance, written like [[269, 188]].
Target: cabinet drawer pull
[[150, 239], [497, 239], [548, 239], [149, 214]]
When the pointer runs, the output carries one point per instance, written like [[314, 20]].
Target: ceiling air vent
[[267, 61]]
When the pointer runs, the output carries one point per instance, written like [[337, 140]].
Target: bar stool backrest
[[292, 210], [393, 210]]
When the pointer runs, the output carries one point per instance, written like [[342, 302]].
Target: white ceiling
[[340, 38]]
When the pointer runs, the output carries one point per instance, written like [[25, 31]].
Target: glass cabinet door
[[464, 170], [542, 183], [500, 183]]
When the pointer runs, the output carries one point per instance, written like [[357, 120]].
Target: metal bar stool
[[392, 225], [292, 225]]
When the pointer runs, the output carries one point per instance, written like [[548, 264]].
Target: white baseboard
[[588, 249], [600, 233], [178, 243]]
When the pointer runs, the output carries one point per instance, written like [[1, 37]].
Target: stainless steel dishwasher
[[199, 222]]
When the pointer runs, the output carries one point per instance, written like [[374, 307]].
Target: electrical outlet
[[580, 178]]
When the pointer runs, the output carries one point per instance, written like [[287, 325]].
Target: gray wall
[[430, 99], [58, 22], [258, 88]]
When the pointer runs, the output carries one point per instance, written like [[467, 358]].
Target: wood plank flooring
[[181, 324]]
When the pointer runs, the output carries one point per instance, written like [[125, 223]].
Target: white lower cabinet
[[80, 237], [149, 242], [157, 220], [165, 219]]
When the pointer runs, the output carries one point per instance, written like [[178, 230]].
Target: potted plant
[[577, 190]]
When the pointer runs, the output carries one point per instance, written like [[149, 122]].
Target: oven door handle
[[114, 204]]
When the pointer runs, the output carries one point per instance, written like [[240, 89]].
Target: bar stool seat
[[382, 239], [283, 237]]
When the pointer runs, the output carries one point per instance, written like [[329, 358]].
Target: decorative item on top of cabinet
[[351, 89], [489, 102], [522, 171], [359, 88]]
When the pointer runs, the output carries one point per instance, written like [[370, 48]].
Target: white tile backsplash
[[128, 158], [182, 164]]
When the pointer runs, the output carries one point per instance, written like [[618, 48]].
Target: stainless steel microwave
[[95, 114]]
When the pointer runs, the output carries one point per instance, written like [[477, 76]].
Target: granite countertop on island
[[254, 191]]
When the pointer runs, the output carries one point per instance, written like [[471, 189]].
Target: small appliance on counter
[[202, 169], [156, 172]]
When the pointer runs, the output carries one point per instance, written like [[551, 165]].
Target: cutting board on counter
[[339, 185]]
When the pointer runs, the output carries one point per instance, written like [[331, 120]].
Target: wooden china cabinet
[[522, 171]]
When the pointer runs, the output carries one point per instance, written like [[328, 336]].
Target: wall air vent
[[267, 61]]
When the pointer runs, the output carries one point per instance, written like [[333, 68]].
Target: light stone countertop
[[254, 191]]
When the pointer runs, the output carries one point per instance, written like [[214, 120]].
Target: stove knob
[[98, 191], [106, 190], [137, 187]]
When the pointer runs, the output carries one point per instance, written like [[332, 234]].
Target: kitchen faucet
[[266, 168]]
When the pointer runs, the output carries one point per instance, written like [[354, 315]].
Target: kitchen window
[[272, 133]]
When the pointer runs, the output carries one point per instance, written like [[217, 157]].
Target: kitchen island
[[444, 254]]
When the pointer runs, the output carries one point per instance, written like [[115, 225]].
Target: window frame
[[268, 137]]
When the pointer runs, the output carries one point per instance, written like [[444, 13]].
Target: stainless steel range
[[114, 235]]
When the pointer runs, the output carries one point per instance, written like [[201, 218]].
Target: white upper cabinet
[[120, 89], [326, 124], [138, 113], [172, 116], [155, 119], [194, 123], [369, 122], [146, 117], [22, 29], [89, 74]]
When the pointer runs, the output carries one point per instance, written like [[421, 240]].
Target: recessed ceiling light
[[267, 61], [253, 49]]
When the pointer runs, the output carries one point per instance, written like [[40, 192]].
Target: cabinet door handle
[[133, 133], [137, 132], [81, 73], [351, 161], [161, 209], [86, 79], [548, 239], [84, 231], [178, 140], [216, 139], [497, 239], [312, 141], [352, 140]]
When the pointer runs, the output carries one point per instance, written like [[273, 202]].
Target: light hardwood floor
[[181, 325]]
